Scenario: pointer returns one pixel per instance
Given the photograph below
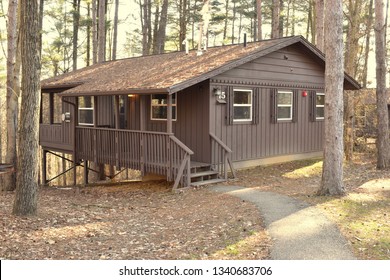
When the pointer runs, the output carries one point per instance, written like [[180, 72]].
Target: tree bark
[[162, 26], [332, 172], [182, 23], [367, 44], [94, 33], [319, 6], [115, 36], [275, 19], [88, 59], [383, 145], [76, 21], [12, 94], [102, 31], [27, 171], [259, 20]]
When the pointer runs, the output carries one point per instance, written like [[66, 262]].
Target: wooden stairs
[[203, 174]]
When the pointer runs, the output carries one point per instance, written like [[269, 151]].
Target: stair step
[[207, 182], [204, 173]]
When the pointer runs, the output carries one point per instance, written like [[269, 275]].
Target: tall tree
[[27, 170], [76, 26], [183, 18], [319, 7], [332, 172], [259, 20], [102, 31], [383, 145], [159, 46], [351, 61], [275, 19], [94, 33], [12, 93], [115, 36], [367, 42]]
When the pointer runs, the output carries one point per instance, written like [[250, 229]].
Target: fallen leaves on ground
[[135, 221]]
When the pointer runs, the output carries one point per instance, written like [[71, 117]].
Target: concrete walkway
[[299, 231]]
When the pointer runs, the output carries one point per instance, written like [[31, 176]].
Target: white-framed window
[[320, 106], [159, 105], [242, 105], [86, 107], [284, 102]]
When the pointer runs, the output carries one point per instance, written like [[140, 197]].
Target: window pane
[[284, 98], [85, 116], [284, 112], [242, 97], [160, 112], [86, 102], [159, 99], [320, 113], [242, 113], [320, 99]]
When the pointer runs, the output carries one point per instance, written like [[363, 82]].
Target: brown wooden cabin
[[192, 117]]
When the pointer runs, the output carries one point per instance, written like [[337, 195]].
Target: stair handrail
[[228, 153], [185, 164]]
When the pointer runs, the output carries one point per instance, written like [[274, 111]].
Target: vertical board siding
[[266, 139], [263, 138], [191, 126]]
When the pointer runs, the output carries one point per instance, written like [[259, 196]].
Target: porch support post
[[169, 114], [116, 111], [74, 169], [44, 168], [142, 126], [85, 172]]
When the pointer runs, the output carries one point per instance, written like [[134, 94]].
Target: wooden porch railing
[[150, 152], [221, 157], [51, 133]]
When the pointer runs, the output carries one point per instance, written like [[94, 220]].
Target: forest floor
[[145, 220], [139, 220]]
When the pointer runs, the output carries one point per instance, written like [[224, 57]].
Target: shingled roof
[[170, 72]]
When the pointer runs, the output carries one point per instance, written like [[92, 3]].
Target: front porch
[[150, 152]]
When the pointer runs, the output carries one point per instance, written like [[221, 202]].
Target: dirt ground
[[147, 221], [133, 221]]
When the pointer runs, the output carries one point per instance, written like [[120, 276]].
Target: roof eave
[[138, 91]]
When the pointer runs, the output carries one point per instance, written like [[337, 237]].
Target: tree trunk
[[367, 46], [225, 25], [319, 7], [94, 33], [332, 172], [162, 26], [182, 23], [102, 31], [12, 95], [146, 25], [41, 8], [383, 146], [234, 21], [259, 20], [351, 60], [275, 19], [115, 38], [76, 20], [27, 170], [88, 59]]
